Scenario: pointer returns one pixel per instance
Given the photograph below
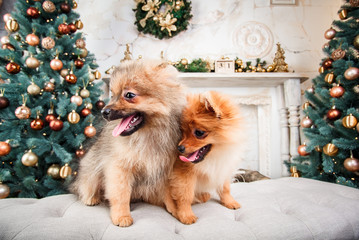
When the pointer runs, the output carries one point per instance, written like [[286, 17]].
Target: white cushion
[[286, 208]]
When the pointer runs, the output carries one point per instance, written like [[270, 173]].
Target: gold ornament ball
[[74, 6], [351, 164], [4, 191], [330, 149], [79, 24], [343, 14], [329, 78], [90, 131], [54, 171], [97, 74], [80, 43], [65, 171], [306, 105], [76, 99], [5, 148], [48, 43], [64, 72], [32, 62], [32, 39], [306, 122], [92, 77], [73, 117], [88, 105], [7, 17], [48, 6], [33, 89], [349, 121], [356, 42], [83, 53], [330, 33], [351, 73], [84, 93], [5, 40], [22, 112], [29, 159], [184, 61], [12, 25]]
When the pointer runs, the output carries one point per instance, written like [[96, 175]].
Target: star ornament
[[167, 24]]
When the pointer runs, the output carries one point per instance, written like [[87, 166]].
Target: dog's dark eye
[[200, 134], [130, 95]]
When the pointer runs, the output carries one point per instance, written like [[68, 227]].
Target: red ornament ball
[[337, 91], [302, 150], [56, 124], [33, 12], [50, 117], [72, 27], [4, 102], [13, 68], [333, 114], [71, 78], [79, 63], [63, 28], [327, 63], [80, 153], [65, 8], [85, 112], [37, 124], [100, 104], [5, 148]]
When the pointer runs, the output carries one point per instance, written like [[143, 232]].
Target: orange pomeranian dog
[[210, 153], [135, 152]]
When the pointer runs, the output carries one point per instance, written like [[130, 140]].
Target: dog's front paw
[[232, 204], [91, 201], [187, 219], [122, 221]]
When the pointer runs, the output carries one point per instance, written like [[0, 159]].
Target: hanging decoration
[[162, 18]]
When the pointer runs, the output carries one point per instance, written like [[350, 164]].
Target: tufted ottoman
[[286, 208]]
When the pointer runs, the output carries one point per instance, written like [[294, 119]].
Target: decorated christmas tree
[[49, 103], [331, 148]]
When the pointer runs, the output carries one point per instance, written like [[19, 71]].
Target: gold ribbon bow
[[168, 24], [151, 7]]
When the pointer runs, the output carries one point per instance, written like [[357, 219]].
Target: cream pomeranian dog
[[135, 152], [210, 151]]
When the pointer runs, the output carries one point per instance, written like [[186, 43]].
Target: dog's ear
[[210, 104]]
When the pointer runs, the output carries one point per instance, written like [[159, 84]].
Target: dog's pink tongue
[[122, 126], [191, 158]]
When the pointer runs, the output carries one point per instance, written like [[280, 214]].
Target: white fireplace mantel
[[277, 98]]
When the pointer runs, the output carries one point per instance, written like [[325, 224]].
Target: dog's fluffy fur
[[134, 166], [210, 119]]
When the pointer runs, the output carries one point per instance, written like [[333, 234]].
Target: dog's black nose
[[181, 148], [106, 112]]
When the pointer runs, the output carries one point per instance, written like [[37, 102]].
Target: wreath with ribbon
[[162, 18]]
